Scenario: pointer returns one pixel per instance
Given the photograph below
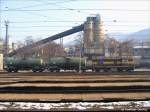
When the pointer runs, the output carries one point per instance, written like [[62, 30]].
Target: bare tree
[[29, 40], [113, 47], [126, 48], [79, 47]]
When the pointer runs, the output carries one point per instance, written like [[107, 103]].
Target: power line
[[69, 9], [43, 4], [38, 5], [70, 21], [72, 9], [38, 26], [71, 26], [59, 30], [36, 30], [128, 25], [43, 21]]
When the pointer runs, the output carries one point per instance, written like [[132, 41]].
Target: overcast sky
[[43, 18]]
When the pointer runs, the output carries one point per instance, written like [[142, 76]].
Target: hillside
[[142, 35]]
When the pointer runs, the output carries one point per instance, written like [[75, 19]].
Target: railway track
[[30, 73], [83, 89], [74, 87], [63, 82]]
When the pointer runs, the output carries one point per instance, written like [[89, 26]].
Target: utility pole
[[13, 46], [7, 38], [81, 45], [61, 46]]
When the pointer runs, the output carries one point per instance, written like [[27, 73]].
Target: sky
[[44, 18]]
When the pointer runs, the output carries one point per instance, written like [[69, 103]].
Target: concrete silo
[[98, 34], [88, 35], [93, 37]]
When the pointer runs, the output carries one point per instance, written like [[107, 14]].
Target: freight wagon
[[57, 64], [14, 65], [63, 63]]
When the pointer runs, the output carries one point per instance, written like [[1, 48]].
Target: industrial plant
[[96, 52], [84, 57]]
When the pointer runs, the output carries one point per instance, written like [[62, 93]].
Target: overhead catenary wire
[[70, 21], [69, 26], [30, 11], [60, 30], [37, 5], [75, 9]]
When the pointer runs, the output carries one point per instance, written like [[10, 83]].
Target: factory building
[[141, 51], [142, 56]]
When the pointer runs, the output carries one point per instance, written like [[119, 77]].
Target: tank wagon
[[14, 65], [70, 63], [62, 63]]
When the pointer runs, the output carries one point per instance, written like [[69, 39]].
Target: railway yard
[[95, 58], [74, 87], [101, 77]]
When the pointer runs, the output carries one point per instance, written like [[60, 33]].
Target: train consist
[[69, 63], [99, 54]]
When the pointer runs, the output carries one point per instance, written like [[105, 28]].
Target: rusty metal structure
[[49, 39]]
